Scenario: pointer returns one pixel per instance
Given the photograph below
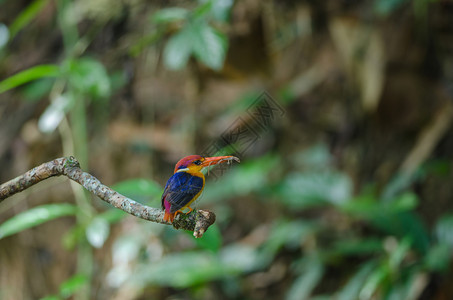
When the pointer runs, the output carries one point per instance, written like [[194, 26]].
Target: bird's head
[[195, 163]]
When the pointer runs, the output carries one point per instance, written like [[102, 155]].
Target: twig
[[428, 139], [197, 221]]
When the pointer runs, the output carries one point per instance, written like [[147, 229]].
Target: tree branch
[[197, 221]]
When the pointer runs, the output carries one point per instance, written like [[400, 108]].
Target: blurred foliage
[[140, 189], [35, 216], [195, 36], [28, 75], [69, 287], [326, 203]]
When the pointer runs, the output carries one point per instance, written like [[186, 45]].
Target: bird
[[187, 183]]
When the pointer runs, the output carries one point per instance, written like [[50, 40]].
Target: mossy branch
[[197, 221]]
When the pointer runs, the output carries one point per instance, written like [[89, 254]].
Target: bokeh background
[[345, 193]]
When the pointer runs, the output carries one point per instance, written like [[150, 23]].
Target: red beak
[[211, 161]]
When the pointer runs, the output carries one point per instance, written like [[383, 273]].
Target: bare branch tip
[[204, 219], [197, 221]]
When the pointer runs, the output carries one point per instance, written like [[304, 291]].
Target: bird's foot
[[182, 212]]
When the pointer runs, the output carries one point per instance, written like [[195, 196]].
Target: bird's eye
[[197, 162]]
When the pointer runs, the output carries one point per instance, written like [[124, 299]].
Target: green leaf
[[406, 201], [303, 286], [358, 246], [394, 218], [321, 297], [118, 80], [368, 207], [202, 9], [398, 184], [35, 216], [288, 233], [211, 240], [242, 179], [72, 285], [136, 48], [183, 270], [404, 224], [74, 236], [397, 255], [220, 9], [168, 15], [438, 258], [386, 7], [28, 75], [36, 90], [314, 158], [374, 281], [88, 76], [242, 257], [352, 288], [411, 287], [307, 189], [178, 49], [113, 215], [26, 16], [444, 230], [97, 232], [140, 189], [400, 224], [4, 35], [209, 45]]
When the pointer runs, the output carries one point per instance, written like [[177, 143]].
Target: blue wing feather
[[180, 189]]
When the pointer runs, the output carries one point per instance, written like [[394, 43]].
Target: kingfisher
[[187, 183]]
